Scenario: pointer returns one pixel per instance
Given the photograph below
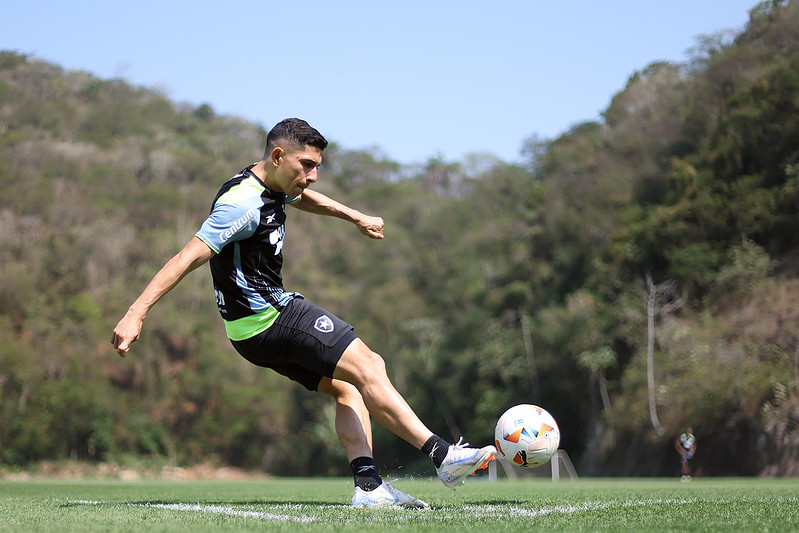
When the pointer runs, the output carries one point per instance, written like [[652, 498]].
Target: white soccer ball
[[527, 435]]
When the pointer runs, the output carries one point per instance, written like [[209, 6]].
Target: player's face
[[298, 169]]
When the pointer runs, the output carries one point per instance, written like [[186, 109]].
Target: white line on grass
[[214, 509], [467, 512], [492, 511], [230, 511]]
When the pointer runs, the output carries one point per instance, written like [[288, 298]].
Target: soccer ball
[[527, 435]]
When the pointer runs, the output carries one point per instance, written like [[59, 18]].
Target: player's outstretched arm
[[319, 204], [127, 331]]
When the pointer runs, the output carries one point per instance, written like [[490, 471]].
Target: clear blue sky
[[416, 78]]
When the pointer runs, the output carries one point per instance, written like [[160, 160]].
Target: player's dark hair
[[296, 132]]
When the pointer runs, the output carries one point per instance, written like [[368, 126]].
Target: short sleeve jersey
[[246, 230], [687, 441]]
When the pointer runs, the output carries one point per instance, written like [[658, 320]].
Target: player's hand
[[371, 226], [126, 333]]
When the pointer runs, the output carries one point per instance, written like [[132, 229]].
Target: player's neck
[[263, 174]]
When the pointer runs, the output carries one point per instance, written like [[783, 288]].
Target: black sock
[[365, 473], [437, 449]]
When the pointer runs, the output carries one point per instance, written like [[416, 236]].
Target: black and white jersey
[[246, 230]]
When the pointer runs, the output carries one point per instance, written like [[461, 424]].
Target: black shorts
[[304, 344]]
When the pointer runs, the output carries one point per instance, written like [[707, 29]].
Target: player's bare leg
[[354, 431], [353, 427], [367, 371]]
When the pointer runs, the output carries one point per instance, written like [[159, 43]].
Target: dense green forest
[[638, 274]]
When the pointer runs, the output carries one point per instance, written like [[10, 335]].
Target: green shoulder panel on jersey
[[247, 188], [250, 326]]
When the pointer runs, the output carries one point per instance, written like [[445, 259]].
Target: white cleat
[[386, 496], [462, 461]]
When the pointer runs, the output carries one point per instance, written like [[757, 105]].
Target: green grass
[[721, 504]]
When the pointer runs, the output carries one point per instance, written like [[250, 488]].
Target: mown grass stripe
[[322, 505], [468, 512]]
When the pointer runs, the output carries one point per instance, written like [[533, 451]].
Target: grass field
[[721, 504]]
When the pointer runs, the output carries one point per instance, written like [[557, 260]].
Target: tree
[[659, 300], [597, 362]]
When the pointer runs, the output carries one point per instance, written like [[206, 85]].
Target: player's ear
[[276, 156]]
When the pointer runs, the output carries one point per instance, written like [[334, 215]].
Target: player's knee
[[366, 365], [377, 363], [347, 394], [371, 368], [341, 391]]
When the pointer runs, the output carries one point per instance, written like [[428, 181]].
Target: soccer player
[[686, 447], [242, 238]]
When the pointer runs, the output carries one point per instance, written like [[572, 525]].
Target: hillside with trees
[[639, 274]]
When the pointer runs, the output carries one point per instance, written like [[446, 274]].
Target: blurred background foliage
[[497, 283]]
